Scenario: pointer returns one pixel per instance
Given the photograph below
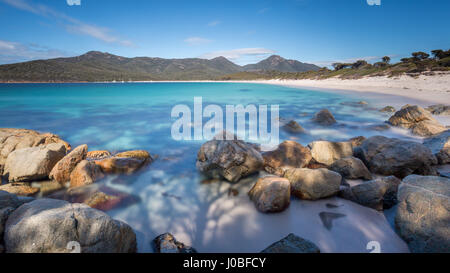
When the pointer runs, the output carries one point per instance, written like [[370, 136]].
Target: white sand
[[423, 90]]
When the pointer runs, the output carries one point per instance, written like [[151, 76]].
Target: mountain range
[[100, 66]]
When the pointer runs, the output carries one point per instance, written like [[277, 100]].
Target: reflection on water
[[213, 216]]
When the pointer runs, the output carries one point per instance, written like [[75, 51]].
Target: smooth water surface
[[119, 117]]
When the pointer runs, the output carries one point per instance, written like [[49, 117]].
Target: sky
[[245, 31]]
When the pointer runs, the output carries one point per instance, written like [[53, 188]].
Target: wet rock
[[378, 194], [166, 243], [60, 222], [97, 155], [312, 184], [120, 165], [230, 159], [327, 152], [294, 128], [15, 139], [418, 120], [271, 194], [138, 154], [289, 154], [388, 109], [439, 110], [20, 189], [292, 244], [62, 170], [357, 141], [391, 156], [4, 214], [422, 218], [440, 146], [324, 117], [327, 218], [351, 168], [35, 163], [85, 173]]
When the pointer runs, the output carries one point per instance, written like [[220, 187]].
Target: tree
[[339, 66], [419, 56], [386, 59], [440, 54], [359, 64]]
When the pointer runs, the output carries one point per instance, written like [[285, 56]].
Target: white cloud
[[74, 25], [214, 23], [13, 52], [197, 41], [238, 53]]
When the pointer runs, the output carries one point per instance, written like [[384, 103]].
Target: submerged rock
[[439, 110], [388, 109], [327, 218], [35, 163], [166, 243], [418, 120], [229, 159], [289, 154], [422, 218], [324, 117], [62, 170], [120, 165], [294, 128], [312, 184], [440, 146], [351, 168], [59, 223], [16, 139], [20, 189], [292, 244], [271, 194], [327, 152], [139, 154], [391, 156], [85, 173]]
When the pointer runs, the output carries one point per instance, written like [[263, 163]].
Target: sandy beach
[[423, 90]]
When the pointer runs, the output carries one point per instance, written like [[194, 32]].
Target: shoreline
[[423, 90]]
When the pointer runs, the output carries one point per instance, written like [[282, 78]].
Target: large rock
[[418, 120], [324, 117], [48, 225], [35, 163], [97, 155], [271, 194], [292, 244], [391, 156], [440, 146], [423, 213], [85, 173], [289, 154], [229, 159], [351, 168], [15, 139], [312, 184], [62, 170], [327, 152], [166, 243], [439, 110]]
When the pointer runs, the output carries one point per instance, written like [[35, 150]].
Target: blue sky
[[245, 31]]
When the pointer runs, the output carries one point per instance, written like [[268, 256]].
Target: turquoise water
[[126, 116]]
